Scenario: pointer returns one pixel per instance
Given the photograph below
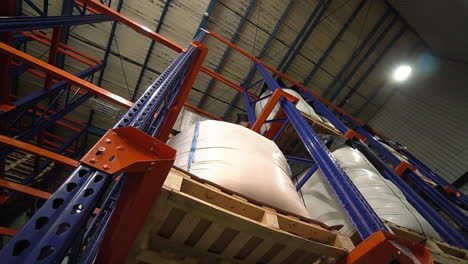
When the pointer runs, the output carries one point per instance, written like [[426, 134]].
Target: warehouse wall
[[429, 114]]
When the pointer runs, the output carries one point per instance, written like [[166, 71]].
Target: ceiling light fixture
[[401, 73]]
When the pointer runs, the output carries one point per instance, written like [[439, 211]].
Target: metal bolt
[[153, 163], [105, 166], [93, 160], [108, 140], [100, 150], [151, 148], [120, 147]]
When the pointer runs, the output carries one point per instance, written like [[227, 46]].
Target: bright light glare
[[402, 73]]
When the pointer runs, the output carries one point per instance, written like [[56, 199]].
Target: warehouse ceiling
[[362, 91], [439, 23]]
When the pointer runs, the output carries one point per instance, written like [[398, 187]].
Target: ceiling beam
[[150, 50], [335, 41], [372, 66], [356, 52], [364, 58], [109, 44], [262, 52], [316, 15], [226, 53]]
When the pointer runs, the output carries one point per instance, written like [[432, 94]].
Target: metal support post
[[71, 205], [306, 177], [248, 106], [186, 86], [358, 210]]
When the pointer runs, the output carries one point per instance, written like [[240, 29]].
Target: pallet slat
[[202, 220]]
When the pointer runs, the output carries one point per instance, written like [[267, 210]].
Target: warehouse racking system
[[110, 191]]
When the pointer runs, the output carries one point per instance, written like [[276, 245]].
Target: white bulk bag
[[238, 159]]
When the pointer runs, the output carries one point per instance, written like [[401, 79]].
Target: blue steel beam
[[301, 33], [51, 120], [31, 100], [109, 44], [306, 177], [35, 23], [226, 53], [69, 208], [356, 52], [372, 67], [58, 150], [364, 58], [306, 35], [324, 111], [355, 205], [248, 106], [262, 52], [34, 7], [150, 49], [67, 10], [335, 41]]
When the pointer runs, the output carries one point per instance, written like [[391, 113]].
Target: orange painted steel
[[146, 161], [38, 151], [42, 41], [203, 112], [275, 126], [48, 142], [221, 78], [224, 80], [450, 190], [8, 231], [65, 47], [24, 189], [181, 97], [402, 167], [58, 122], [99, 8], [284, 76], [48, 134], [277, 95], [353, 134], [34, 72], [56, 34], [383, 247], [56, 72]]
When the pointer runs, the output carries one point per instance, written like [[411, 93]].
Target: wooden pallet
[[197, 221]]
